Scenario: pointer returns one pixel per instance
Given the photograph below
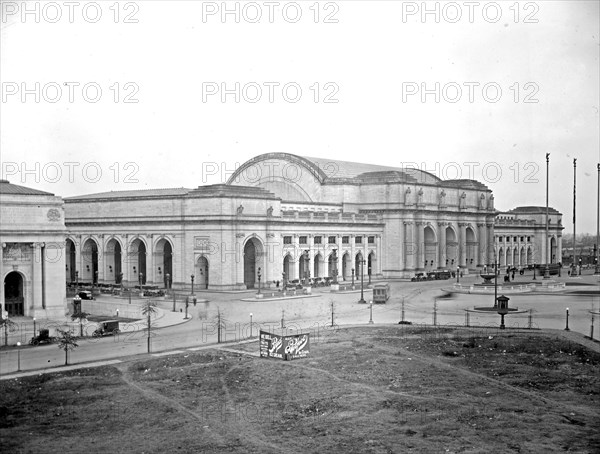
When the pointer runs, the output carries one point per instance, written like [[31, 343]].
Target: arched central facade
[[285, 215]]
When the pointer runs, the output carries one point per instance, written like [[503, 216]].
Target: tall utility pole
[[546, 268], [574, 265], [597, 270]]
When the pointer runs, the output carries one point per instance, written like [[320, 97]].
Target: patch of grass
[[374, 390]]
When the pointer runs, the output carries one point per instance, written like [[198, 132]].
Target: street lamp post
[[370, 311], [567, 325], [18, 356], [362, 280], [352, 278], [34, 326], [457, 274], [534, 271], [259, 276], [250, 324], [77, 281]]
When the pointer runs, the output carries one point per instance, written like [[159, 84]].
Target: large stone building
[[32, 263], [520, 233], [282, 216]]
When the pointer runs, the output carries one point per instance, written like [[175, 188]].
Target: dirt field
[[394, 389]]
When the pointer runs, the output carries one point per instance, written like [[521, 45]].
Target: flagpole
[[597, 270], [574, 264], [546, 268]]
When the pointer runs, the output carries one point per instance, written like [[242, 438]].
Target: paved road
[[314, 314]]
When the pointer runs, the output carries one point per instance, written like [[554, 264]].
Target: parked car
[[418, 277], [86, 295], [42, 338], [106, 328]]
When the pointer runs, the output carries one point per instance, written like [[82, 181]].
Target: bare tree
[[7, 324], [149, 308], [80, 315], [66, 341]]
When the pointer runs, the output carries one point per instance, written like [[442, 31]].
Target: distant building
[[519, 236], [32, 262]]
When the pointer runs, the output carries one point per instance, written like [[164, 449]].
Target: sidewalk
[[24, 330]]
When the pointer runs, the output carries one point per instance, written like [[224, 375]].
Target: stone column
[[409, 246], [490, 243], [339, 256], [352, 257], [2, 271], [420, 245], [462, 245], [101, 259], [378, 257], [36, 277], [481, 244], [441, 250], [150, 270], [297, 257]]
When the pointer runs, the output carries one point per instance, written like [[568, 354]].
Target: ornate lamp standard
[[362, 275], [567, 326], [546, 268], [458, 274], [352, 277], [191, 297]]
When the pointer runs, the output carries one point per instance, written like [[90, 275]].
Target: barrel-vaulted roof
[[334, 170]]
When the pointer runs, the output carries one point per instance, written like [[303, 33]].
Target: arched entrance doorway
[[318, 266], [202, 272], [14, 300], [287, 268], [430, 248], [346, 266], [358, 265], [137, 253], [252, 256], [164, 263], [451, 248], [90, 262], [471, 248], [553, 247], [371, 262], [113, 272], [71, 260]]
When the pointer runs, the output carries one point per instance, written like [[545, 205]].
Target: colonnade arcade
[[126, 259], [447, 245]]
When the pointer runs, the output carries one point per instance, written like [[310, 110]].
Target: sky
[[108, 95]]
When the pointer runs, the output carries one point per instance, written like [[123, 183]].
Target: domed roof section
[[336, 169]]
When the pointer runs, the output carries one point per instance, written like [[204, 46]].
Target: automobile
[[85, 295], [319, 282], [42, 338], [296, 284], [418, 277], [107, 328], [154, 292]]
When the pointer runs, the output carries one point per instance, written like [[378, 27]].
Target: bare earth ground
[[393, 389]]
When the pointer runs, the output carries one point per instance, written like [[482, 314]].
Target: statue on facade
[[407, 196], [443, 197], [462, 203], [491, 202], [482, 201], [420, 196], [240, 209], [270, 211]]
